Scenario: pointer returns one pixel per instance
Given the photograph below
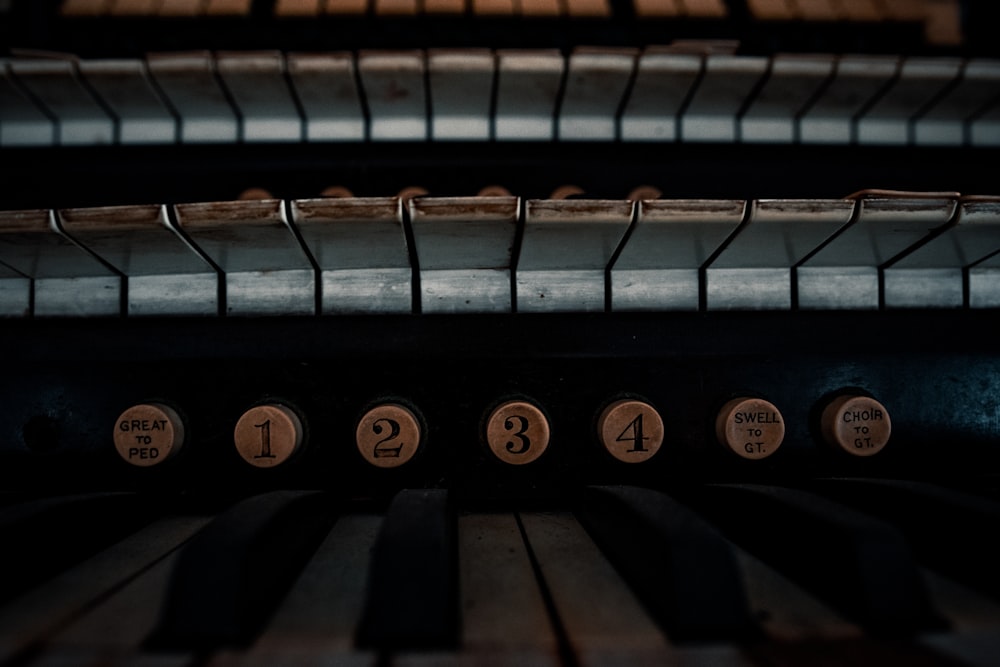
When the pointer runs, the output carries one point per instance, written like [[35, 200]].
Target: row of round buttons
[[516, 431]]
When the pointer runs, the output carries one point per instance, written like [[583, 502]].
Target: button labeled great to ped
[[751, 428], [148, 434], [267, 435]]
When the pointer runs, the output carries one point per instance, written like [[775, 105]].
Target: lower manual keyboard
[[297, 577]]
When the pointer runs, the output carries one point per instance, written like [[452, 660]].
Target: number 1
[[265, 440]]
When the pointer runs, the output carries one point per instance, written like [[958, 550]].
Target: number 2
[[377, 429]]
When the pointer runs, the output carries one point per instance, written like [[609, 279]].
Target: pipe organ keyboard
[[499, 332], [698, 92]]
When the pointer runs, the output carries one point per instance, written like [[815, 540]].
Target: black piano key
[[228, 579], [947, 529], [682, 569], [45, 536], [861, 566], [412, 600]]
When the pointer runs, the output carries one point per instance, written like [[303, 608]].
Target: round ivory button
[[517, 432], [148, 434], [267, 435], [857, 425], [388, 435], [631, 430], [751, 428]]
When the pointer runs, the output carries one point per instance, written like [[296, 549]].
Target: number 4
[[636, 437]]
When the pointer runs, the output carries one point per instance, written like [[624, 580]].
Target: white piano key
[[861, 10], [565, 251], [256, 81], [15, 293], [327, 89], [596, 80], [985, 128], [359, 245], [754, 272], [297, 8], [320, 613], [181, 7], [845, 272], [817, 10], [726, 84], [134, 7], [84, 7], [788, 612], [79, 118], [461, 92], [920, 80], [496, 577], [857, 80], [904, 10], [490, 8], [542, 8], [228, 7], [67, 280], [446, 7], [793, 81], [266, 270], [395, 8], [393, 83], [463, 247], [770, 10], [658, 268], [588, 8], [657, 8], [123, 85], [42, 611], [663, 80], [715, 9], [22, 122], [603, 620], [984, 283], [527, 93], [944, 124], [190, 84], [348, 7], [165, 275], [932, 275], [117, 625]]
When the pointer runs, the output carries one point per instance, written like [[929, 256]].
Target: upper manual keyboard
[[699, 93]]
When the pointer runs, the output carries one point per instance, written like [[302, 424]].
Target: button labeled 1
[[267, 435]]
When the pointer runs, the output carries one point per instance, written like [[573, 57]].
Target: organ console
[[576, 332]]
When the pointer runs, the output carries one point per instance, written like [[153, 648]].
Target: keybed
[[503, 586], [658, 94], [349, 255]]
